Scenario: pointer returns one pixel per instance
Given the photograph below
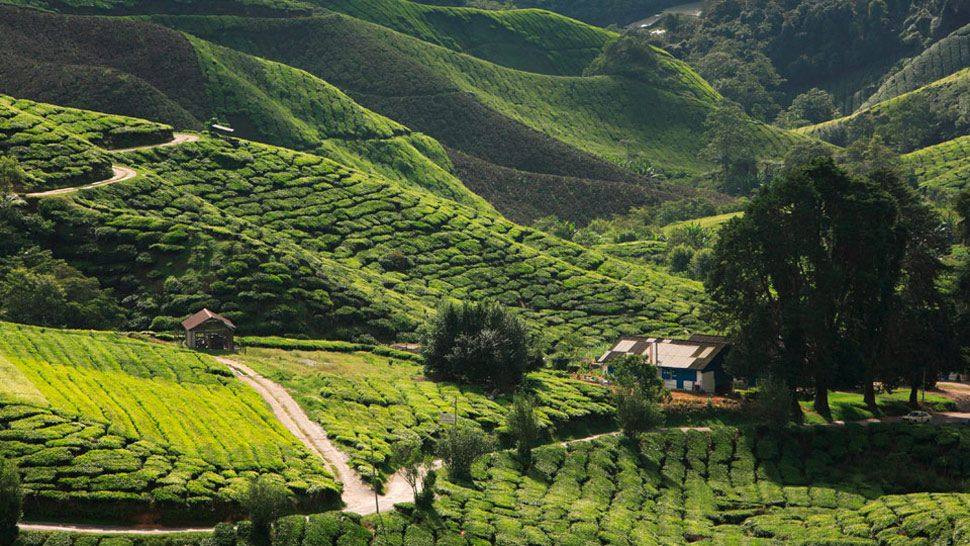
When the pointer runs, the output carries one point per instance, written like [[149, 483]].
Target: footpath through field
[[120, 172]]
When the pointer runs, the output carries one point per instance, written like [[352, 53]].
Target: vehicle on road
[[917, 417]]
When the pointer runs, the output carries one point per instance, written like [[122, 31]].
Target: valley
[[479, 273]]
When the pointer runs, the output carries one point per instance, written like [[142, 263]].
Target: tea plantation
[[925, 116], [364, 400], [529, 40], [50, 156], [723, 487], [938, 61], [415, 244], [99, 419], [944, 167], [489, 111]]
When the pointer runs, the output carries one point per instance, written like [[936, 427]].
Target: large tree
[[911, 335], [797, 278]]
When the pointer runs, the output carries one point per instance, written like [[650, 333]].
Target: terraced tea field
[[102, 417], [364, 400], [944, 167], [722, 487], [447, 250]]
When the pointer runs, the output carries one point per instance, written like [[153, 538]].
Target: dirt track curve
[[357, 495], [120, 172]]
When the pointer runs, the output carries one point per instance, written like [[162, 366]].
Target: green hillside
[[949, 55], [599, 12], [275, 103], [279, 104], [944, 167], [99, 417], [289, 242], [50, 156], [929, 115], [530, 40], [806, 486], [502, 115], [449, 250]]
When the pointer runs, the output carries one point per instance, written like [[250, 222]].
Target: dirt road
[[121, 173], [357, 495]]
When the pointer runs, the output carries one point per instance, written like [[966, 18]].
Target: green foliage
[[523, 426], [95, 417], [460, 446], [714, 485], [264, 500], [11, 176], [925, 116], [36, 288], [476, 107], [637, 412], [50, 156], [528, 40], [938, 61], [679, 258], [731, 146], [812, 106], [480, 344], [774, 402], [944, 167], [11, 501]]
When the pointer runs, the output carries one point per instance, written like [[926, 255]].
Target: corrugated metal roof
[[202, 316], [669, 353]]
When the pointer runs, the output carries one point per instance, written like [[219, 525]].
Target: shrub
[[11, 501], [523, 426], [480, 343], [679, 258], [265, 500], [460, 447], [637, 413]]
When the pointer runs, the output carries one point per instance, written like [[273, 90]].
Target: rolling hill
[[290, 242], [121, 71], [949, 55], [925, 116], [944, 167]]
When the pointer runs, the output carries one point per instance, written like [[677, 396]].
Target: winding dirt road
[[357, 495], [121, 172]]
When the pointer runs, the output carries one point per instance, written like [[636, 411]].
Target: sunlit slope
[[489, 111], [49, 155], [944, 167], [530, 40], [136, 422], [949, 55], [282, 105], [928, 115], [129, 67], [421, 246]]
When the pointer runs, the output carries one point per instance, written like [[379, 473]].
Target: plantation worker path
[[357, 495], [120, 172]]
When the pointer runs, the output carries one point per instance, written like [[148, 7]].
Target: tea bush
[[944, 167]]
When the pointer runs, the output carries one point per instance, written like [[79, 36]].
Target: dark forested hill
[[845, 47]]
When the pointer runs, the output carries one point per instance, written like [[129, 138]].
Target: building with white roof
[[695, 364]]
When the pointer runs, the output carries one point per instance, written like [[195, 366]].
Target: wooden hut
[[209, 331]]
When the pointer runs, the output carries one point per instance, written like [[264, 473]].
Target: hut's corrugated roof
[[202, 316]]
